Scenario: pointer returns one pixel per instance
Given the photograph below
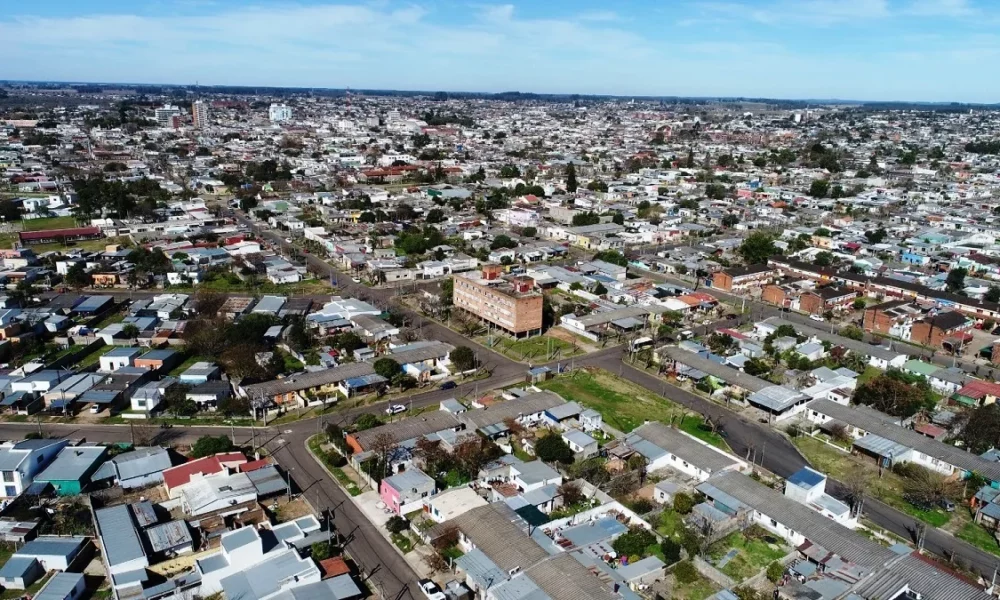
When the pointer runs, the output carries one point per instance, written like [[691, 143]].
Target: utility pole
[[288, 482]]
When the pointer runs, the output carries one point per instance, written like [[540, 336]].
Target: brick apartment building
[[509, 304], [894, 318], [822, 299], [935, 330], [784, 296], [740, 279]]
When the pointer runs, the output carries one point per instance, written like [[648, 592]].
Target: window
[[10, 491], [8, 476]]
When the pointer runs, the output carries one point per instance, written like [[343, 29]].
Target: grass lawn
[[537, 349], [623, 404], [110, 320], [699, 589], [670, 524], [222, 285], [184, 366], [888, 488], [753, 555], [49, 223], [869, 373], [93, 358], [402, 542], [979, 537], [695, 425]]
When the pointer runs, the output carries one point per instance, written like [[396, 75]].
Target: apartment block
[[510, 304], [740, 279]]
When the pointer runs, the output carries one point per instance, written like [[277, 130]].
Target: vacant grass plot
[[49, 223], [537, 349], [623, 404]]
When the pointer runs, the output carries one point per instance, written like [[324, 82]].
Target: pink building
[[405, 492]]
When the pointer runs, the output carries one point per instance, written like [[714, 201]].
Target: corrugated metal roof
[[60, 587], [168, 535], [118, 535]]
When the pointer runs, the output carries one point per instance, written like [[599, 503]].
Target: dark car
[[448, 385]]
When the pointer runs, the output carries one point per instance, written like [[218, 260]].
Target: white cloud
[[940, 8]]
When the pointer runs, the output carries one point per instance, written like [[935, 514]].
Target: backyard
[[742, 555], [699, 589], [48, 223], [625, 405], [888, 488]]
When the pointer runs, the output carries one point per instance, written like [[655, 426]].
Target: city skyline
[[904, 50]]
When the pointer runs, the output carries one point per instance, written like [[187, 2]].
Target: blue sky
[[932, 50]]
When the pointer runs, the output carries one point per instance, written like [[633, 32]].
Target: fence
[[713, 574]]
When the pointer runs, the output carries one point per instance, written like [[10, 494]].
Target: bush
[[793, 430], [775, 571], [635, 542], [366, 421], [683, 503], [209, 445], [671, 551], [397, 524], [691, 542], [905, 469], [321, 551], [552, 448], [641, 506], [337, 460], [685, 572]]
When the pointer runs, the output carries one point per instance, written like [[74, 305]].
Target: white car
[[431, 590], [356, 279], [395, 409], [816, 317], [288, 240]]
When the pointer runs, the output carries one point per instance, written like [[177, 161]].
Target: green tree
[[757, 248], [177, 402], [823, 259], [571, 183], [434, 215], [210, 445], [366, 421], [634, 542], [685, 572], [775, 571], [529, 232], [819, 188], [895, 394], [877, 236], [955, 281], [730, 221], [464, 358], [387, 367], [502, 241], [852, 332], [982, 430], [552, 448], [992, 294], [683, 503], [77, 275]]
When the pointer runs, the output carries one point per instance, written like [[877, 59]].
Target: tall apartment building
[[199, 114], [509, 304], [280, 112], [165, 115]]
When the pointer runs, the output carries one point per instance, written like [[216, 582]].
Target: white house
[[21, 461]]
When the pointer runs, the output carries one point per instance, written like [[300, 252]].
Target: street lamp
[[288, 482]]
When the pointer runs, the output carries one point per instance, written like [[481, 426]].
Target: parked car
[[356, 279], [431, 590], [816, 317], [448, 385], [395, 409], [947, 505]]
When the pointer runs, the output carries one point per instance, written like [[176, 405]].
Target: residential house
[[408, 491], [70, 473], [21, 461]]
